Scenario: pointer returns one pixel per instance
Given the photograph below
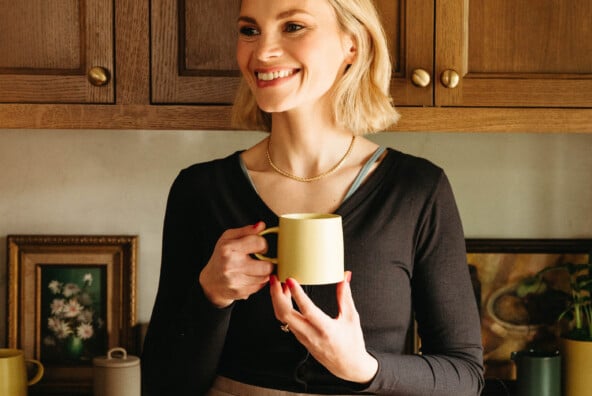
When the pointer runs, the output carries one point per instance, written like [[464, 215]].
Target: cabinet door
[[514, 53], [409, 27], [58, 51], [194, 51]]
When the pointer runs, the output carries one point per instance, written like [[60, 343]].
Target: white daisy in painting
[[55, 286], [60, 328], [85, 331], [87, 279], [72, 309], [52, 323], [57, 306]]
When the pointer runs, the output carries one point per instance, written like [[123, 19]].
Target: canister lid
[[116, 358]]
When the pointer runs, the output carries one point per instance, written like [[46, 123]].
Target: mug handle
[[40, 371], [265, 258]]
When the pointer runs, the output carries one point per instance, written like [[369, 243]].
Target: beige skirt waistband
[[226, 387]]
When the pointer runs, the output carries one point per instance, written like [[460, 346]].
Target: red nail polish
[[290, 283], [272, 280], [256, 224]]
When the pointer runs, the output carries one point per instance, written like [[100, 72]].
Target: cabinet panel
[[49, 47], [515, 53], [193, 51], [409, 27]]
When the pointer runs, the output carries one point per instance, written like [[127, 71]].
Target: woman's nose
[[268, 46]]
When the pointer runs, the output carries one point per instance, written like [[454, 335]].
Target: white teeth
[[273, 75]]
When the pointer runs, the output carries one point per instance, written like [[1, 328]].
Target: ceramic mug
[[309, 248], [13, 372]]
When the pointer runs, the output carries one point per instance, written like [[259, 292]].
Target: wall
[[116, 182]]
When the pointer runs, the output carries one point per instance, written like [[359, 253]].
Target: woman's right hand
[[231, 273]]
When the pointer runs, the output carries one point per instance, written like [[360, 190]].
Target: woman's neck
[[306, 145]]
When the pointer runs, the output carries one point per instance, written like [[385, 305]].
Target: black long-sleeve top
[[405, 246]]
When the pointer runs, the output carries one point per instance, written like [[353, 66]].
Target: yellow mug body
[[13, 372], [310, 248]]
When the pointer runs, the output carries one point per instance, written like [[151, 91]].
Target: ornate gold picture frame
[[70, 298]]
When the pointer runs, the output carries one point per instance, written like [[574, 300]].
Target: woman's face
[[291, 52]]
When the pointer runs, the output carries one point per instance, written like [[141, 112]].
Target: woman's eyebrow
[[281, 15], [246, 19], [289, 13]]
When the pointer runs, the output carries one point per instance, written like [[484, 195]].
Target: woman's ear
[[350, 48]]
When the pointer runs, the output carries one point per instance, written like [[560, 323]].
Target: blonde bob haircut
[[361, 99]]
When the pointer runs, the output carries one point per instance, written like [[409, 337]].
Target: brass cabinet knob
[[98, 76], [449, 78], [421, 78]]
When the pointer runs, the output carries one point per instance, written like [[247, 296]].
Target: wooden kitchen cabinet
[[193, 50], [514, 53], [522, 65], [497, 53], [490, 53], [58, 51]]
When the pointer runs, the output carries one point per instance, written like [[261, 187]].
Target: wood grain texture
[[527, 53], [193, 51], [413, 119], [150, 90], [132, 52], [48, 48]]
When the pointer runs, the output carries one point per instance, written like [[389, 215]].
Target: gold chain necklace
[[313, 178]]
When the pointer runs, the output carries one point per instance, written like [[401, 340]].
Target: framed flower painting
[[71, 298]]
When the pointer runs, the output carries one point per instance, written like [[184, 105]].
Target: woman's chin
[[271, 107]]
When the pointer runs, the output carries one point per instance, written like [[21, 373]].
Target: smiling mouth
[[274, 75]]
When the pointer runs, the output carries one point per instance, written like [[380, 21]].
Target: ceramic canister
[[117, 374], [538, 373]]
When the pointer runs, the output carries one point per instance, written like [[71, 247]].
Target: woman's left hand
[[336, 343]]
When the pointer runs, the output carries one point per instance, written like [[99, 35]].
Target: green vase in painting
[[74, 347]]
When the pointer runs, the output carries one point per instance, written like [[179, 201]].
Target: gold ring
[[285, 328]]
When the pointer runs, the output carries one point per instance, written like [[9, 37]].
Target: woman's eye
[[248, 31], [293, 27]]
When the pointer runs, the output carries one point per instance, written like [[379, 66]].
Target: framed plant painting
[[514, 317], [70, 298]]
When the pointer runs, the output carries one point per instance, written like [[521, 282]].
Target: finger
[[313, 314], [247, 244], [345, 299], [275, 287], [281, 300], [280, 293], [258, 268], [235, 233]]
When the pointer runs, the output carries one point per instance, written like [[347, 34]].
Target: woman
[[316, 76]]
